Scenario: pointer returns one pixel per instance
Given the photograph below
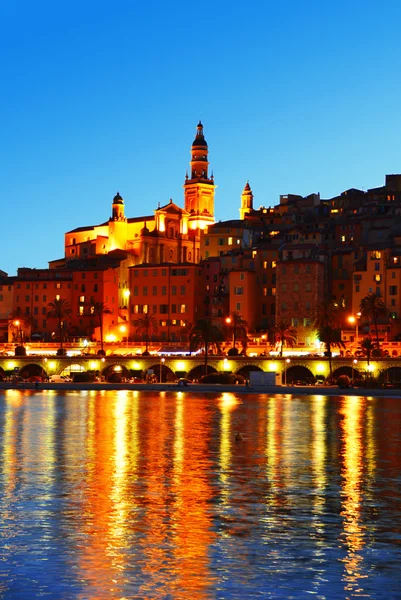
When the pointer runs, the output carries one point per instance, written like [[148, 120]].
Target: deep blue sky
[[295, 96]]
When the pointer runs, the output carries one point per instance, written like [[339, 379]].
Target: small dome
[[199, 139], [117, 199]]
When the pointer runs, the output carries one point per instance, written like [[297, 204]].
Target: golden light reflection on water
[[354, 535], [149, 489]]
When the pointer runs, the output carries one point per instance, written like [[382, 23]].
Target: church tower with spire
[[246, 201], [199, 187]]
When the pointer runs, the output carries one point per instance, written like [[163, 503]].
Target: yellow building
[[171, 234]]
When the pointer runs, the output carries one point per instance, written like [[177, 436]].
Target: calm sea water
[[141, 495]]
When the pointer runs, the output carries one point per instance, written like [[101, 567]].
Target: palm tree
[[59, 309], [237, 326], [205, 334], [327, 321], [17, 320], [190, 331], [372, 308], [146, 327], [285, 335], [367, 346], [99, 309]]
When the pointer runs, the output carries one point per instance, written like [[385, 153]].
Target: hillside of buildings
[[156, 276]]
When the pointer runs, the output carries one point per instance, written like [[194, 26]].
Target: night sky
[[100, 97]]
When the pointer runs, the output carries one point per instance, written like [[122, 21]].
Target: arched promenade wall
[[317, 366]]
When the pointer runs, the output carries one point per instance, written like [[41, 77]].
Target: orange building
[[171, 293]]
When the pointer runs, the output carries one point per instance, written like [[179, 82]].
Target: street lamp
[[19, 330], [287, 360], [353, 319], [353, 367], [265, 339], [228, 321], [123, 329], [161, 367]]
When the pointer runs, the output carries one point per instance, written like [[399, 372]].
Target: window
[[242, 276], [274, 264], [296, 269], [174, 290], [284, 287], [207, 241], [238, 291], [238, 306], [221, 241], [145, 290], [81, 310], [307, 322], [183, 290], [283, 306], [377, 266], [393, 290], [230, 241], [308, 269], [154, 290], [377, 278], [57, 296], [182, 308], [296, 287], [82, 299], [295, 322], [145, 273], [95, 287], [307, 287]]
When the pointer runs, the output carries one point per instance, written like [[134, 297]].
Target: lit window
[[274, 264], [230, 241], [82, 298], [265, 264], [81, 310], [182, 308], [58, 297]]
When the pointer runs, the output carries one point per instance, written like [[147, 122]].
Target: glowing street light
[[354, 362], [162, 360], [353, 319], [17, 324], [287, 360]]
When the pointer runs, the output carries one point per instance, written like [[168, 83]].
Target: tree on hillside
[[99, 309], [327, 322], [146, 327], [59, 309], [285, 335], [206, 334], [367, 346], [372, 308]]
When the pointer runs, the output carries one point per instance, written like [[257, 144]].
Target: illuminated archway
[[197, 372], [246, 369], [299, 373]]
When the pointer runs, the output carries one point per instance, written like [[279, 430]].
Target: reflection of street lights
[[287, 360], [161, 367]]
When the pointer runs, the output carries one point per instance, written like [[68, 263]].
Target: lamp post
[[353, 319], [19, 330], [287, 362], [228, 321], [161, 367], [353, 367], [265, 339]]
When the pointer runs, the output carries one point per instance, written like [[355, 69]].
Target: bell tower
[[246, 201], [199, 187]]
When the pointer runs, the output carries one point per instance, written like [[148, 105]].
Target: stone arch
[[32, 370], [299, 373], [246, 369], [391, 375], [3, 374], [162, 372], [198, 371], [116, 373], [348, 370]]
